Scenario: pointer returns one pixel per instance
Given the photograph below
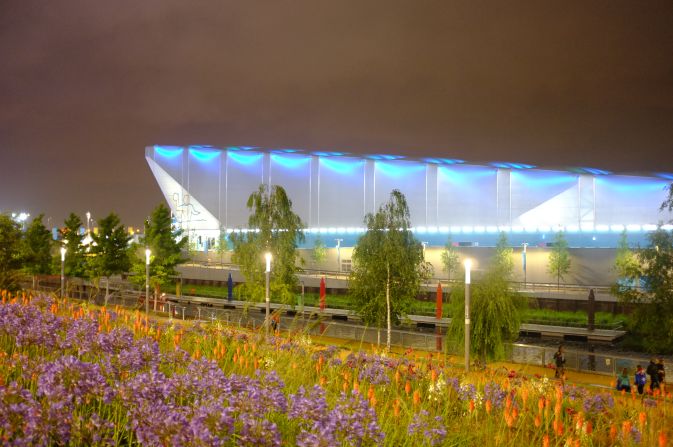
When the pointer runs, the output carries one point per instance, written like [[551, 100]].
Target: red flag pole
[[322, 293]]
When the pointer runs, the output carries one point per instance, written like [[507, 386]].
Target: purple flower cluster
[[495, 393], [598, 403], [351, 422], [373, 369], [431, 429]]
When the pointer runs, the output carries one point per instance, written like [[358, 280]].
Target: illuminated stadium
[[207, 189]]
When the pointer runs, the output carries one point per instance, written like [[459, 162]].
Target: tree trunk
[[388, 308]]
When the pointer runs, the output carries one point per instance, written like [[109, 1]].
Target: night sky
[[86, 85]]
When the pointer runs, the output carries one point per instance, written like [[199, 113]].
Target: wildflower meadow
[[75, 374]]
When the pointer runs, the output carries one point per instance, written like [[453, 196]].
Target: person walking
[[640, 379], [560, 360], [652, 371], [661, 374], [623, 381]]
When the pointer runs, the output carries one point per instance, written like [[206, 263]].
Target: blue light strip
[[168, 152], [342, 166], [290, 162], [201, 155], [245, 159]]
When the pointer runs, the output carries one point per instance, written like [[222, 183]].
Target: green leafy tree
[[319, 253], [166, 244], [626, 264], [668, 203], [559, 258], [221, 244], [37, 245], [495, 315], [502, 260], [388, 265], [10, 253], [279, 231], [71, 239], [450, 258], [652, 319], [110, 253]]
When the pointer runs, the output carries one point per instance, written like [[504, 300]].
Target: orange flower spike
[[256, 363], [537, 421], [488, 406], [524, 396], [642, 418], [396, 407], [613, 432], [323, 381], [235, 358], [589, 428], [471, 405], [540, 404], [397, 377], [345, 386], [356, 387], [417, 397], [545, 441], [559, 428], [508, 402], [663, 439], [407, 387], [372, 402], [626, 430], [515, 413], [370, 392], [433, 375]]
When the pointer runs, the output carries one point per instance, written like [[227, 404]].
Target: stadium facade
[[207, 189]]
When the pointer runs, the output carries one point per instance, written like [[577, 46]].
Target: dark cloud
[[85, 85]]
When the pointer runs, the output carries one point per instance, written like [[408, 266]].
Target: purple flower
[[431, 429]]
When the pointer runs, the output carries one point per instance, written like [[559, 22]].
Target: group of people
[[655, 370]]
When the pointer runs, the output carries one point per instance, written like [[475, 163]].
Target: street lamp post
[[338, 250], [468, 266], [148, 252], [63, 250], [267, 256], [523, 261]]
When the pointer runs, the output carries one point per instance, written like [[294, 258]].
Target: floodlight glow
[[148, 252], [587, 227], [455, 229], [530, 229], [290, 162], [63, 250], [572, 228], [267, 256], [633, 228], [245, 159], [649, 227], [618, 228], [342, 166], [602, 228], [491, 229], [443, 229], [432, 230], [667, 227], [466, 229], [517, 229], [544, 228], [468, 266], [331, 230], [506, 229], [479, 229], [341, 230], [421, 230], [171, 152]]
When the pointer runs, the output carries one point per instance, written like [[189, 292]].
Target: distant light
[[63, 250], [467, 229], [649, 227], [603, 228], [633, 227], [267, 256], [421, 230], [572, 228], [517, 229], [455, 229], [148, 252], [443, 229], [617, 228], [479, 229]]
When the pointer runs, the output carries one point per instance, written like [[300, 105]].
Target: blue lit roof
[[203, 152]]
